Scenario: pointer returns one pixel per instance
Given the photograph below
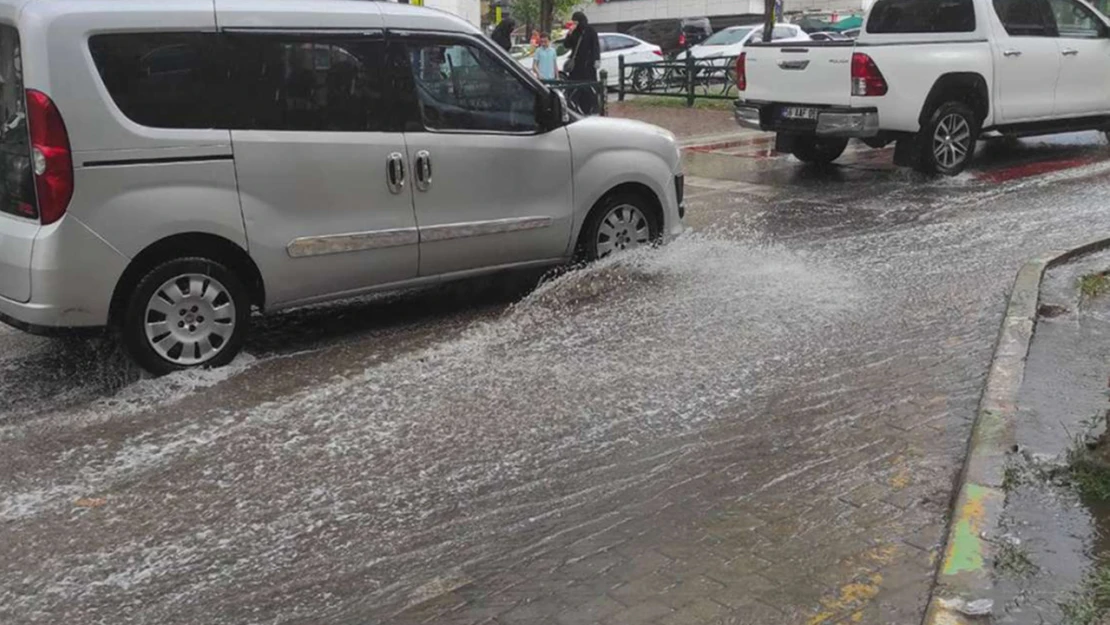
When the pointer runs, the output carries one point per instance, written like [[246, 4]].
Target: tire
[[818, 151], [619, 222], [946, 144], [643, 79], [184, 290]]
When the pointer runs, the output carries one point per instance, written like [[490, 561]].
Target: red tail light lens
[[867, 80], [657, 52], [682, 39], [50, 156], [742, 71]]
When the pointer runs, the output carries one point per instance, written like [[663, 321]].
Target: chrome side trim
[[446, 232], [351, 242]]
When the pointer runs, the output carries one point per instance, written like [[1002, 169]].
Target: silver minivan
[[169, 166]]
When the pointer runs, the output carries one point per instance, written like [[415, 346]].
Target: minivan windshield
[[17, 191], [727, 37]]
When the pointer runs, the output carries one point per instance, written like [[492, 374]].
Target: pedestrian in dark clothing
[[585, 56], [503, 34]]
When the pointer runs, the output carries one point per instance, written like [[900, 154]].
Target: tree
[[550, 10], [526, 13]]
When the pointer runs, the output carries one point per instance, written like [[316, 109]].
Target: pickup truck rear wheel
[[818, 151], [947, 142]]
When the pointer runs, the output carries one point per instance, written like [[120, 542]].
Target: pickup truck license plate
[[799, 112]]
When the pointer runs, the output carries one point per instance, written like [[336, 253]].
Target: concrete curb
[[964, 579]]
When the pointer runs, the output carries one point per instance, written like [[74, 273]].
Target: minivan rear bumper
[[73, 275], [830, 122]]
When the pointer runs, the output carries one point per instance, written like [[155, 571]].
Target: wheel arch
[[182, 245], [967, 87]]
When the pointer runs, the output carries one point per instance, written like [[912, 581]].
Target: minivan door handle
[[1069, 52], [423, 167], [395, 172], [1011, 53]]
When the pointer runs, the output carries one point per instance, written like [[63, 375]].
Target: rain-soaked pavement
[[1052, 538], [758, 423]]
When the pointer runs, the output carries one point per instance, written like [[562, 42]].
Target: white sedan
[[613, 46], [727, 44]]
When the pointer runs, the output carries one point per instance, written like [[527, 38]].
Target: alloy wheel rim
[[189, 319], [624, 227], [952, 140]]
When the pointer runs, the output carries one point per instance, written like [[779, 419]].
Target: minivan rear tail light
[[867, 80], [51, 157], [742, 71], [682, 40]]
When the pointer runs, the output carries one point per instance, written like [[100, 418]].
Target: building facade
[[620, 15]]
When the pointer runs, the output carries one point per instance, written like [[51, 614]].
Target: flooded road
[[758, 423]]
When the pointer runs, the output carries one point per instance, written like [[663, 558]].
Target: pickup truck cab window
[[1023, 18], [921, 16]]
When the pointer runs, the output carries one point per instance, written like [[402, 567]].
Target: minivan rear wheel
[[184, 314], [621, 221]]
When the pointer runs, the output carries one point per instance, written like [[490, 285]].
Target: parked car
[[613, 46], [727, 44], [829, 36], [673, 35], [1006, 67], [282, 161]]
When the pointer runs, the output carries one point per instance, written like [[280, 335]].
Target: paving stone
[[640, 614], [698, 612], [593, 611]]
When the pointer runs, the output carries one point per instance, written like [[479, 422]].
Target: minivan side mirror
[[554, 110]]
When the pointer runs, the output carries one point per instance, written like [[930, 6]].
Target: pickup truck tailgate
[[808, 72]]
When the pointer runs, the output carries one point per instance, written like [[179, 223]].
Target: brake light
[[657, 52], [742, 71], [50, 156], [682, 40], [867, 80]]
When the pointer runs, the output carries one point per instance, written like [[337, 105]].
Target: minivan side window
[[164, 80], [460, 86], [921, 16], [17, 185], [1075, 21], [306, 82]]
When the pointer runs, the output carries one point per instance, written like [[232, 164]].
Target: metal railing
[[682, 76], [588, 97]]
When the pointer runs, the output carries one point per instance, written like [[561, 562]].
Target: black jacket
[[503, 34], [587, 52]]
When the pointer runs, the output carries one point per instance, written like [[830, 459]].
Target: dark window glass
[[1075, 21], [1022, 18], [460, 86], [921, 16], [17, 184], [291, 82], [165, 80]]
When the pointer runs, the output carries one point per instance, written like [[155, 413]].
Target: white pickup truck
[[933, 76]]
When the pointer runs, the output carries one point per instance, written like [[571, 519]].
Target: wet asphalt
[[759, 422]]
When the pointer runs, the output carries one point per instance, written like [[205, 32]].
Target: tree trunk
[[768, 19], [547, 8]]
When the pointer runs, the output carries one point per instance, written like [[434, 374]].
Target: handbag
[[568, 67]]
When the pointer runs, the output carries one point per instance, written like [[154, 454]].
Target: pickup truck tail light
[[867, 80], [742, 71], [682, 40]]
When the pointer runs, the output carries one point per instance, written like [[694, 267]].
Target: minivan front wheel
[[622, 221], [186, 313]]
